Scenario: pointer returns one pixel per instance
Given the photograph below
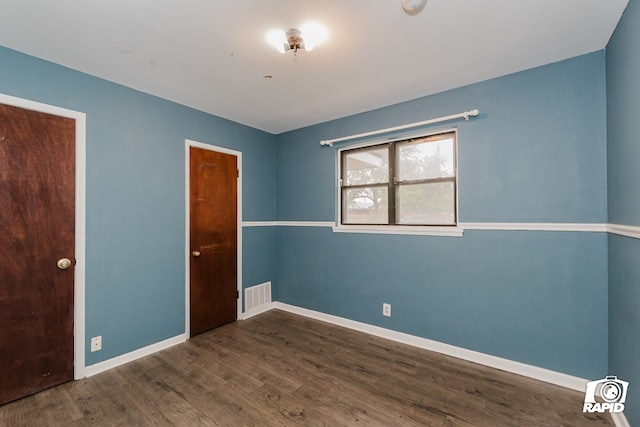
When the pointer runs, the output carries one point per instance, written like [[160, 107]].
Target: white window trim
[[417, 230], [420, 230]]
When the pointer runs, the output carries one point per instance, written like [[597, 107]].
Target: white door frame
[[80, 202], [187, 240]]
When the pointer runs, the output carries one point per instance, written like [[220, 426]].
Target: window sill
[[456, 231]]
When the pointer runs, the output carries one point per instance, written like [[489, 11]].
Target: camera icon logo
[[611, 390]]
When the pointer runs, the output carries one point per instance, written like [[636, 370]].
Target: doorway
[[213, 236], [41, 246]]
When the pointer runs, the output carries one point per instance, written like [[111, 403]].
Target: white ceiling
[[212, 55]]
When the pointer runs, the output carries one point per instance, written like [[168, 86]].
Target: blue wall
[[537, 153], [623, 104], [135, 198]]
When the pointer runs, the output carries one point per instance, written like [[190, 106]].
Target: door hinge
[[237, 294], [238, 173]]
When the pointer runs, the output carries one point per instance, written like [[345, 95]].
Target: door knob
[[64, 263], [195, 253]]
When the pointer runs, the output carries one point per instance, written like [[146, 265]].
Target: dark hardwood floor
[[281, 369]]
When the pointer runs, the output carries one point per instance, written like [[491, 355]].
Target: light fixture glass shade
[[307, 37], [278, 40], [413, 7], [313, 35]]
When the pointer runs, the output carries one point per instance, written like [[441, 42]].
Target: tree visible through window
[[408, 182]]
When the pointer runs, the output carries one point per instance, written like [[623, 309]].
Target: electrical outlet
[[96, 343], [386, 309]]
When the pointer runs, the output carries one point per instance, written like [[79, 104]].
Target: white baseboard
[[519, 368], [620, 420], [136, 354], [523, 369], [258, 310], [546, 375]]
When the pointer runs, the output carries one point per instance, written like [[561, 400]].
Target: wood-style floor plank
[[279, 369]]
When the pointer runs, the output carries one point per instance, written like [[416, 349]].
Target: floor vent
[[257, 296]]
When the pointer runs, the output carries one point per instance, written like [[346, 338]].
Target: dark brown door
[[214, 229], [37, 226]]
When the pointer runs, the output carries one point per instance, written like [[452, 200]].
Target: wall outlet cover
[[386, 309], [96, 343]]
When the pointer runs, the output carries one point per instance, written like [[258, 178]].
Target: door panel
[[37, 228], [213, 236]]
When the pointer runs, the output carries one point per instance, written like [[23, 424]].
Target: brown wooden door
[[213, 235], [37, 227]]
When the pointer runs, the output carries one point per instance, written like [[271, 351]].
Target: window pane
[[424, 159], [368, 205], [366, 166], [426, 204]]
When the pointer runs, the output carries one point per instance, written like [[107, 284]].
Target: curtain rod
[[465, 115]]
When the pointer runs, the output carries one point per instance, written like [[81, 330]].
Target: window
[[407, 182]]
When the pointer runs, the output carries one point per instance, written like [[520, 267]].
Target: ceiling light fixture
[[306, 38], [413, 7]]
